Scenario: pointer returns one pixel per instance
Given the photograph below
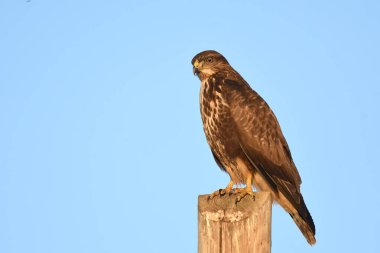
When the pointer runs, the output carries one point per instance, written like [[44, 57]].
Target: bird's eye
[[209, 59]]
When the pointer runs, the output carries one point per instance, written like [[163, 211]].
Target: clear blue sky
[[101, 142]]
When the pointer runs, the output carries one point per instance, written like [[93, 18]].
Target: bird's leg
[[247, 190], [222, 192]]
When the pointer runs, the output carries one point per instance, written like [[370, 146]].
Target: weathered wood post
[[224, 227]]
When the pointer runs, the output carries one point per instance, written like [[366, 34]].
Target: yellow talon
[[242, 192], [247, 190], [222, 192]]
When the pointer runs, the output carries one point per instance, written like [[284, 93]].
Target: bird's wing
[[218, 161], [261, 138]]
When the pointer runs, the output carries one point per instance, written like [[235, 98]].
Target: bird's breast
[[213, 109], [217, 123]]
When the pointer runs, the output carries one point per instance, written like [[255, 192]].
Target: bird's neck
[[203, 76]]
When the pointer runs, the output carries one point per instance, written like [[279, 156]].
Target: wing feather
[[261, 138], [218, 161]]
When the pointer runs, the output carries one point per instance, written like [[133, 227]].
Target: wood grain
[[226, 227]]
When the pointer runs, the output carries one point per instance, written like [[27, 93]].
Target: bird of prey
[[246, 139]]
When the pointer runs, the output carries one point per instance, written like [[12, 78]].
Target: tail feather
[[304, 222]]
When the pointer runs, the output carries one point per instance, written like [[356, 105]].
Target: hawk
[[246, 139]]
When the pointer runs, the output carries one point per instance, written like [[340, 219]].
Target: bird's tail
[[304, 222]]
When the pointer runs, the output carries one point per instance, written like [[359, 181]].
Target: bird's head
[[207, 63]]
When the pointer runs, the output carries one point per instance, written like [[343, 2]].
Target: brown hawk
[[246, 139]]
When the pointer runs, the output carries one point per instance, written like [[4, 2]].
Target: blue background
[[101, 141]]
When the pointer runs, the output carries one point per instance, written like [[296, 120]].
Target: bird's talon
[[221, 192], [216, 193], [242, 192]]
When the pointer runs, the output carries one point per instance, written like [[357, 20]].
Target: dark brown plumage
[[246, 139]]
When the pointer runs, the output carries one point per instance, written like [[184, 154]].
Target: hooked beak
[[195, 71], [195, 67]]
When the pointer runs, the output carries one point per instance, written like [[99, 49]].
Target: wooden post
[[226, 227]]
